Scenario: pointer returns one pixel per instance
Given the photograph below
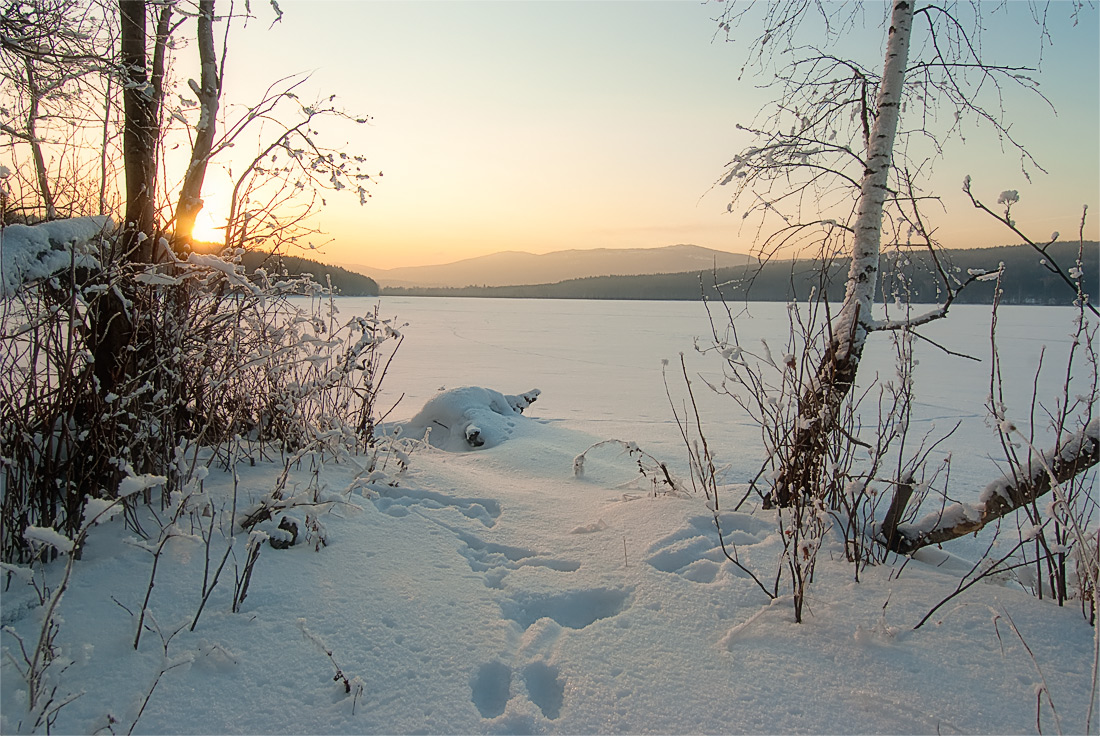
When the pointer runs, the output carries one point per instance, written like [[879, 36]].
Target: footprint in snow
[[747, 528], [491, 688], [695, 552], [497, 560], [573, 609], [399, 501], [542, 617], [545, 688]]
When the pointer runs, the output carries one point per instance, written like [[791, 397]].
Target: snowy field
[[494, 592], [598, 364]]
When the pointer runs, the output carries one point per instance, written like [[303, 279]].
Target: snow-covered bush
[[34, 252], [126, 356], [120, 369], [65, 435], [275, 363], [836, 493]]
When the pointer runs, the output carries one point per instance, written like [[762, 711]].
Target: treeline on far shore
[[345, 282], [912, 274]]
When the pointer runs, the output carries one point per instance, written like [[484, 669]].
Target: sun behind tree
[[209, 228]]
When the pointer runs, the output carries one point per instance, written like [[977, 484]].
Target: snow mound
[[31, 252], [466, 418]]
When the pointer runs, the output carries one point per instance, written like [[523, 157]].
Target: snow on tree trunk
[[801, 468]]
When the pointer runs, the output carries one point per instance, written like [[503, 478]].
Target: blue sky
[[543, 126]]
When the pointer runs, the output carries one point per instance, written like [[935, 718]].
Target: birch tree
[[839, 166], [833, 167], [836, 375]]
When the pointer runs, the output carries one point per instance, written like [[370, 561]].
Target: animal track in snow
[[398, 501], [492, 687], [741, 529], [545, 688], [573, 609], [675, 554], [497, 560], [695, 552]]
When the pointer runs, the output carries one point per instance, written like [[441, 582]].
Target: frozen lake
[[598, 364]]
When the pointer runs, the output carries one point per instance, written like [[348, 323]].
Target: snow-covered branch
[[1006, 494], [32, 252], [938, 312]]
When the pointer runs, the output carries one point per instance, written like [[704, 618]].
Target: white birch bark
[[819, 406], [863, 272]]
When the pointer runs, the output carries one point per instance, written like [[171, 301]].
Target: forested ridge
[[345, 282], [1026, 279]]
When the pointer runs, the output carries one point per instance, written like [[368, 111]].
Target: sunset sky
[[542, 126]]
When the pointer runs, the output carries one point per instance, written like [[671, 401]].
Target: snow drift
[[465, 418]]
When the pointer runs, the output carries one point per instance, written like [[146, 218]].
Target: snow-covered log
[[1005, 495], [32, 252], [469, 417]]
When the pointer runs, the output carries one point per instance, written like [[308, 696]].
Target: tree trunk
[[802, 466], [112, 324], [140, 134], [104, 145], [34, 95], [208, 92]]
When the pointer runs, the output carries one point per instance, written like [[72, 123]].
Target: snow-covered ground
[[495, 592]]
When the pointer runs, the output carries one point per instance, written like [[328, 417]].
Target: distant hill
[[346, 283], [514, 267], [1026, 280]]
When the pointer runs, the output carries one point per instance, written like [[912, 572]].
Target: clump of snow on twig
[[48, 536], [132, 484]]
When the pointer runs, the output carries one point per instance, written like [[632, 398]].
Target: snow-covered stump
[[470, 417]]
